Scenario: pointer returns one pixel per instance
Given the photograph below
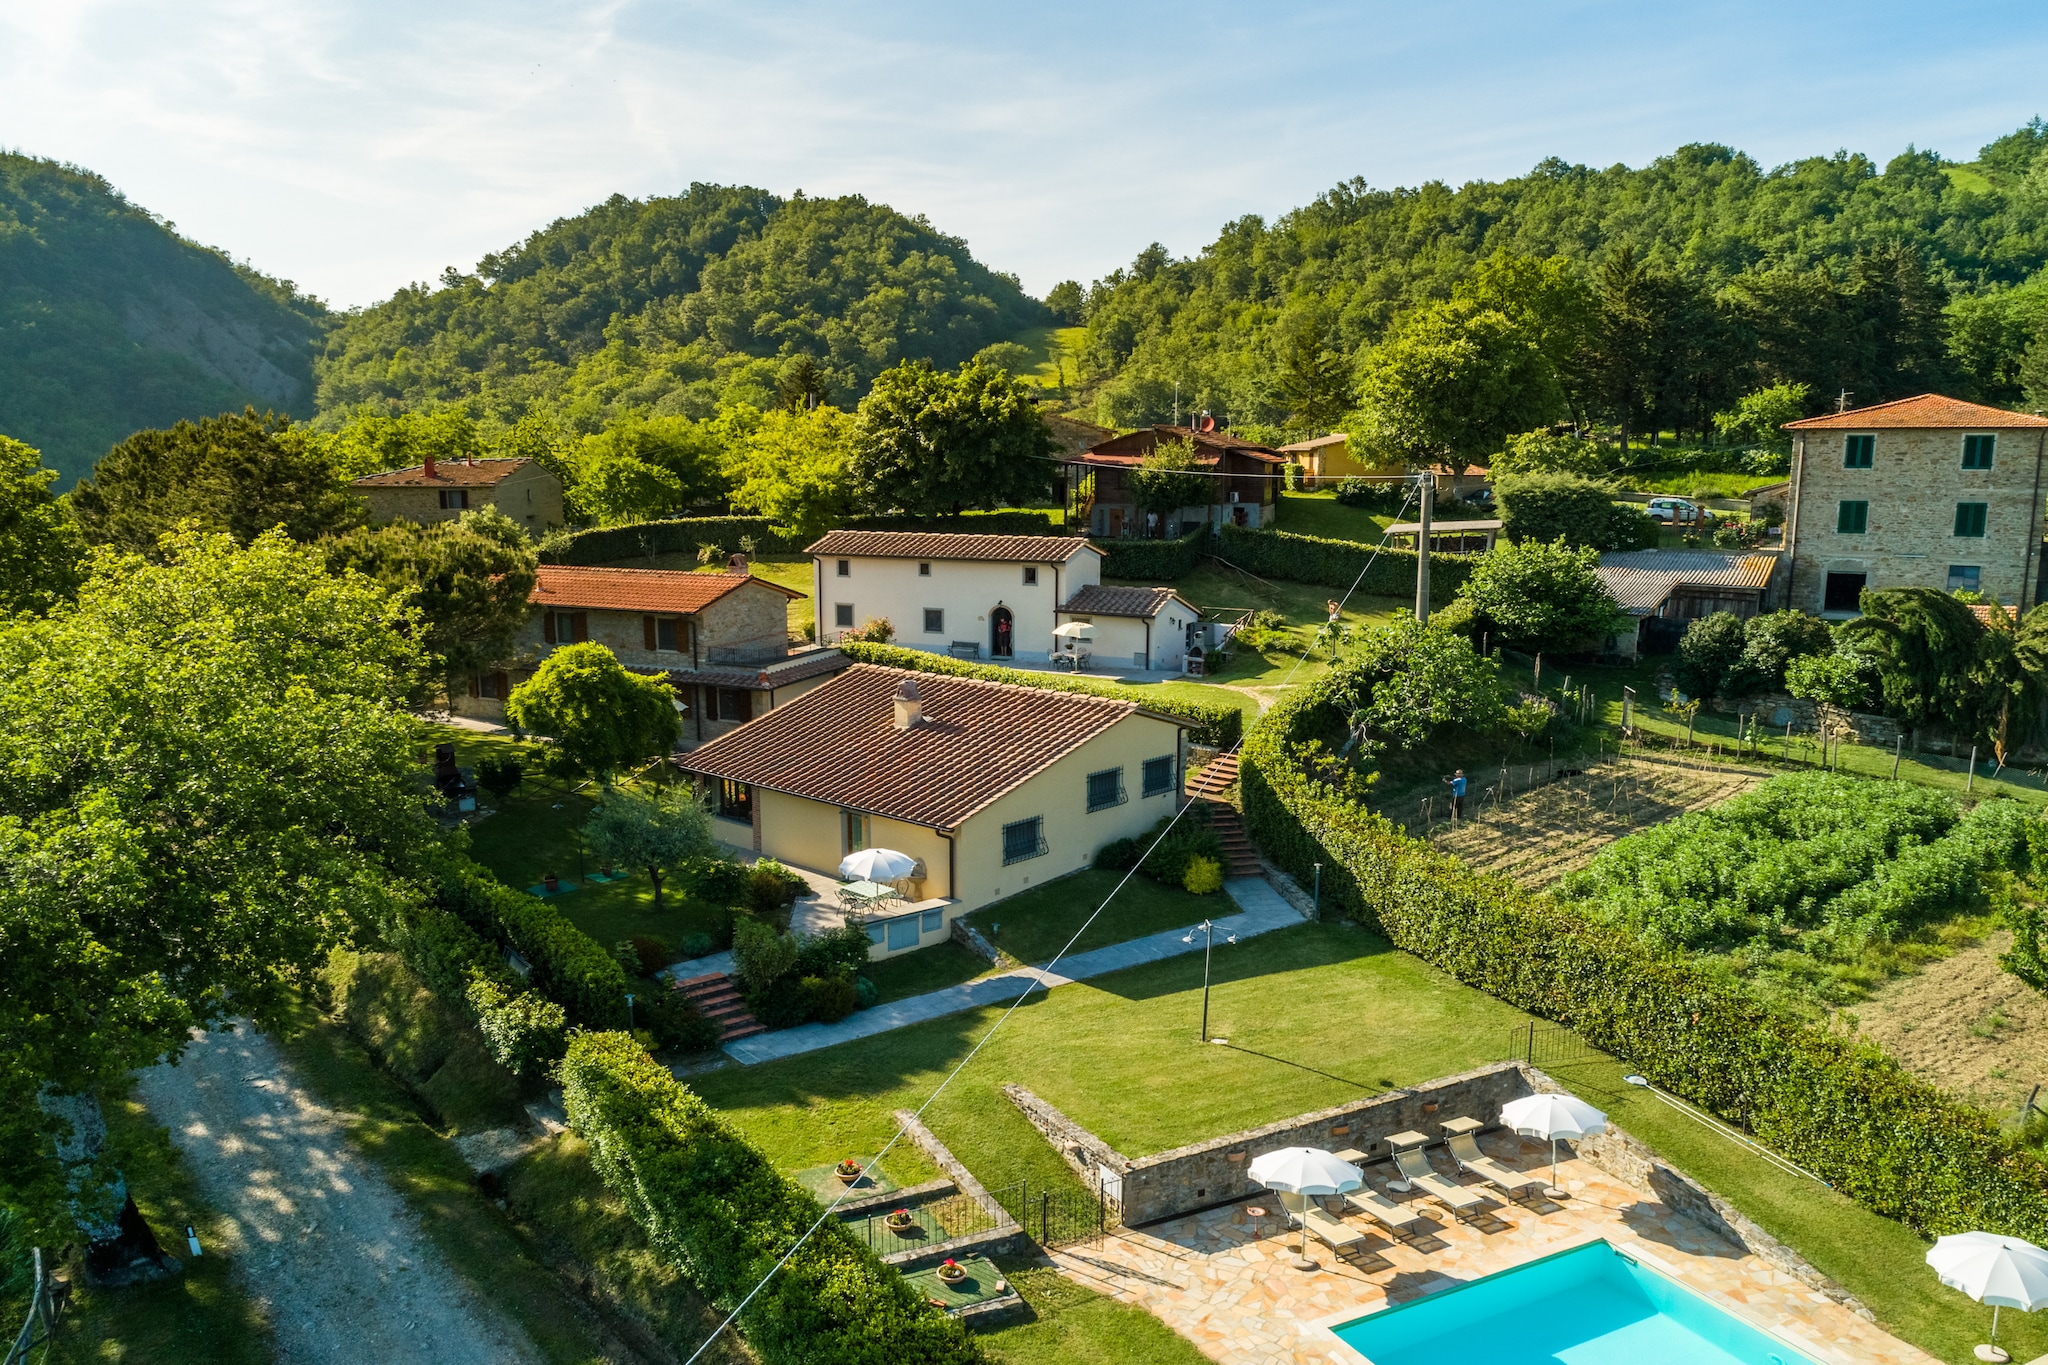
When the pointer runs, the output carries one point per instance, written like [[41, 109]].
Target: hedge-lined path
[[334, 1256], [1261, 910]]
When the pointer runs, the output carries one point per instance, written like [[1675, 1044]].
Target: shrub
[[1838, 1105], [499, 775], [836, 952], [676, 1022], [761, 956], [1547, 507], [698, 945], [1386, 497], [650, 955], [876, 630], [1119, 855], [772, 887], [782, 1003], [865, 992], [1204, 876], [1388, 571], [526, 1033], [1771, 641], [1215, 723], [1188, 840], [1157, 561], [1710, 647], [569, 967], [831, 998], [719, 1213]]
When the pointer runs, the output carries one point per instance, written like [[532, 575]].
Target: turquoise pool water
[[1589, 1306]]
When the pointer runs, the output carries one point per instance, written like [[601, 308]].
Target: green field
[[1039, 923]]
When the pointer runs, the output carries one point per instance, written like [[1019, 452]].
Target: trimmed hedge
[[1153, 559], [569, 967], [1335, 563], [718, 1211], [1839, 1106], [646, 539], [523, 1029], [1216, 723]]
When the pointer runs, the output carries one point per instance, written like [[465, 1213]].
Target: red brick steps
[[1208, 787], [719, 999]]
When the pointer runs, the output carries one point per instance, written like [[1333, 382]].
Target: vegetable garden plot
[[1539, 834]]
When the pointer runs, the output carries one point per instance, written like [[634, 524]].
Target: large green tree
[[655, 828], [1451, 384], [238, 473], [1542, 595], [1168, 479], [601, 717], [470, 580], [796, 469], [929, 442], [40, 548], [207, 780]]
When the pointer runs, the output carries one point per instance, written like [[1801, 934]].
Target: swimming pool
[[1589, 1306]]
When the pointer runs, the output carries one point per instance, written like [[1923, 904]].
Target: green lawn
[[1038, 924], [1698, 485], [1074, 1325], [1320, 514], [927, 969]]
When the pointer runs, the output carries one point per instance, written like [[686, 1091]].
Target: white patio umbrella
[[1552, 1117], [1303, 1171], [877, 865], [1075, 630], [2005, 1272]]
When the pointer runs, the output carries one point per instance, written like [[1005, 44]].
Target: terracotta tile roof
[[1640, 580], [1982, 611], [758, 677], [936, 545], [1103, 600], [562, 585], [838, 744], [1927, 410], [447, 474]]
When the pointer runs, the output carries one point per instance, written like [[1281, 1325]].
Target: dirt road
[[338, 1262]]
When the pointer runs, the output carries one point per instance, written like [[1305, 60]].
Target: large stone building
[[1926, 492], [443, 490]]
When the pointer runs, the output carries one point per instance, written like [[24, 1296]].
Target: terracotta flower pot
[[952, 1274], [551, 882]]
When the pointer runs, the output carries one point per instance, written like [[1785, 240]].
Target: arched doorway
[[999, 633]]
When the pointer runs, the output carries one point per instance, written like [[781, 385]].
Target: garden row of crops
[[1814, 862]]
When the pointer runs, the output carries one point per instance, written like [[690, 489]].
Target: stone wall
[[1005, 1238]]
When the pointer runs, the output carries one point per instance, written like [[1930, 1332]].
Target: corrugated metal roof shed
[[1640, 580]]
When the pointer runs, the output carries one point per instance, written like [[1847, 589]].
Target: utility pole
[[1427, 484], [1207, 928]]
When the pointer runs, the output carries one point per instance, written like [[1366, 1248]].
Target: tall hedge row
[[1154, 560], [1838, 1106], [569, 967], [646, 539], [1335, 563], [523, 1029], [1215, 723], [718, 1211]]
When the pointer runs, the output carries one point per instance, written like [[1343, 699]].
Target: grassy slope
[[1038, 924]]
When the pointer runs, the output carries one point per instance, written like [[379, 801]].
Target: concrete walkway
[[1260, 910]]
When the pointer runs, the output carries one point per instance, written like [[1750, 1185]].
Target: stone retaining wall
[[1005, 1238]]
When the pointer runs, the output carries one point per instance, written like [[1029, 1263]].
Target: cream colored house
[[978, 597], [1148, 628], [993, 788], [1328, 460], [442, 491]]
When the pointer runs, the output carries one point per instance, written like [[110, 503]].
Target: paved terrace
[[1224, 1280]]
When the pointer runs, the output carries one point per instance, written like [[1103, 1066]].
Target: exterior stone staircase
[[719, 999], [1209, 786]]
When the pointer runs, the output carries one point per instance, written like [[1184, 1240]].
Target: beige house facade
[[1327, 460], [1140, 628], [442, 491], [1926, 492], [992, 788]]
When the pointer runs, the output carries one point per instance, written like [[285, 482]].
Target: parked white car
[[1673, 511]]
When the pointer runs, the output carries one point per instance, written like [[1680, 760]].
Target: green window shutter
[[1978, 451], [1852, 518], [1970, 518], [1857, 451]]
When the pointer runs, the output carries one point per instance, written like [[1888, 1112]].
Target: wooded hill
[[1827, 271], [668, 305], [111, 322]]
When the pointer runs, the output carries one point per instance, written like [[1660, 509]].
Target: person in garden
[[1456, 782]]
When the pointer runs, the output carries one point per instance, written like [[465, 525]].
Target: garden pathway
[[337, 1260], [1261, 910]]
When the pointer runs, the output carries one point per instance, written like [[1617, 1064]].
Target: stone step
[[718, 999]]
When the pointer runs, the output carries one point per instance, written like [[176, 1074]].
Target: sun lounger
[[1338, 1236], [1416, 1170], [1465, 1151], [1395, 1218]]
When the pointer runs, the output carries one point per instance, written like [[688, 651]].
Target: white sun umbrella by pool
[[1075, 630], [2004, 1272], [1304, 1171], [1552, 1117], [877, 865]]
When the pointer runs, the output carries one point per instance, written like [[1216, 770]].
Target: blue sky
[[355, 145]]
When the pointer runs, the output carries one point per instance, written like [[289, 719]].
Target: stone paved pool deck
[[1225, 1281]]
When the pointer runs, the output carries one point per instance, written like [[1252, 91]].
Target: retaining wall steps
[[719, 999], [1208, 786]]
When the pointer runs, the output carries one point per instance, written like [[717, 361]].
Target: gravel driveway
[[332, 1254]]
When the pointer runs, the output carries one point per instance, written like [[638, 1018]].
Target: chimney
[[737, 564], [909, 706], [430, 465]]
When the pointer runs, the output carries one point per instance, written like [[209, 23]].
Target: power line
[[1032, 983]]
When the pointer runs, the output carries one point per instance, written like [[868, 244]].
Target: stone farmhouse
[[522, 489], [1926, 492], [719, 640], [993, 789], [1244, 481]]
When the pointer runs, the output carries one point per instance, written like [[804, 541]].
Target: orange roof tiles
[[936, 545], [447, 474], [838, 744], [1927, 410], [650, 590]]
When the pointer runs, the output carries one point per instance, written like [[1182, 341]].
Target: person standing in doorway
[[1456, 782]]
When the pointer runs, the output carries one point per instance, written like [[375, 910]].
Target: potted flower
[[899, 1221], [952, 1272], [848, 1170]]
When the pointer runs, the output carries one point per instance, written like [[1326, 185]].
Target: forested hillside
[[667, 306], [110, 322], [1827, 271]]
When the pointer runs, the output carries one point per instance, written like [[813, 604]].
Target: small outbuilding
[[1666, 590]]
